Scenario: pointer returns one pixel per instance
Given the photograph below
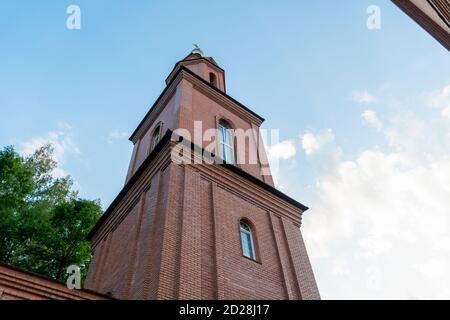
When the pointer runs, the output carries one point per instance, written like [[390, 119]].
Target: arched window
[[226, 144], [156, 136], [212, 79], [248, 247]]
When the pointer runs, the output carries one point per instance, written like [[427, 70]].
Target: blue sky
[[345, 98]]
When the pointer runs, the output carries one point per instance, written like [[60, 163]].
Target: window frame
[[249, 232], [226, 142], [154, 137], [213, 79]]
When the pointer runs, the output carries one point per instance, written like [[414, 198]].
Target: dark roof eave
[[131, 182], [224, 94], [195, 59], [167, 136], [265, 186], [182, 68]]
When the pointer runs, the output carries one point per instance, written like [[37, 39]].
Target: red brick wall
[[208, 242], [189, 101], [175, 234], [127, 259], [168, 118], [244, 278], [186, 243], [202, 68]]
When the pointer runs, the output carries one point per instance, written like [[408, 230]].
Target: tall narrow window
[[155, 137], [248, 248], [213, 79], [226, 143]]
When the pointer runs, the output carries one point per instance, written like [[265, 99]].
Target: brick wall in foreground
[[16, 284]]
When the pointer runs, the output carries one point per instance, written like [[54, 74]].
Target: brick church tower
[[181, 230]]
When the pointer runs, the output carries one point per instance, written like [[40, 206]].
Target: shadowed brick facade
[[16, 284], [173, 231]]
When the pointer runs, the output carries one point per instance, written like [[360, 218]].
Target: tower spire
[[197, 50]]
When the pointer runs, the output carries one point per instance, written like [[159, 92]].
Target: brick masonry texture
[[16, 284], [175, 233]]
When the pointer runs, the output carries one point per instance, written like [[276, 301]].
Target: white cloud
[[370, 117], [441, 99], [62, 143], [309, 143], [283, 150], [363, 97], [386, 210], [340, 268], [433, 268], [446, 112], [117, 135], [379, 222], [312, 143]]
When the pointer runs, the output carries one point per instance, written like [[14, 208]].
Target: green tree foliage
[[43, 223]]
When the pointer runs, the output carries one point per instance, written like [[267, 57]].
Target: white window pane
[[220, 134], [227, 139], [229, 155], [222, 151], [226, 144], [248, 249], [246, 245]]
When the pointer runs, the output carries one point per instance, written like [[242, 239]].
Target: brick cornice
[[156, 108], [424, 21], [192, 61], [241, 187]]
